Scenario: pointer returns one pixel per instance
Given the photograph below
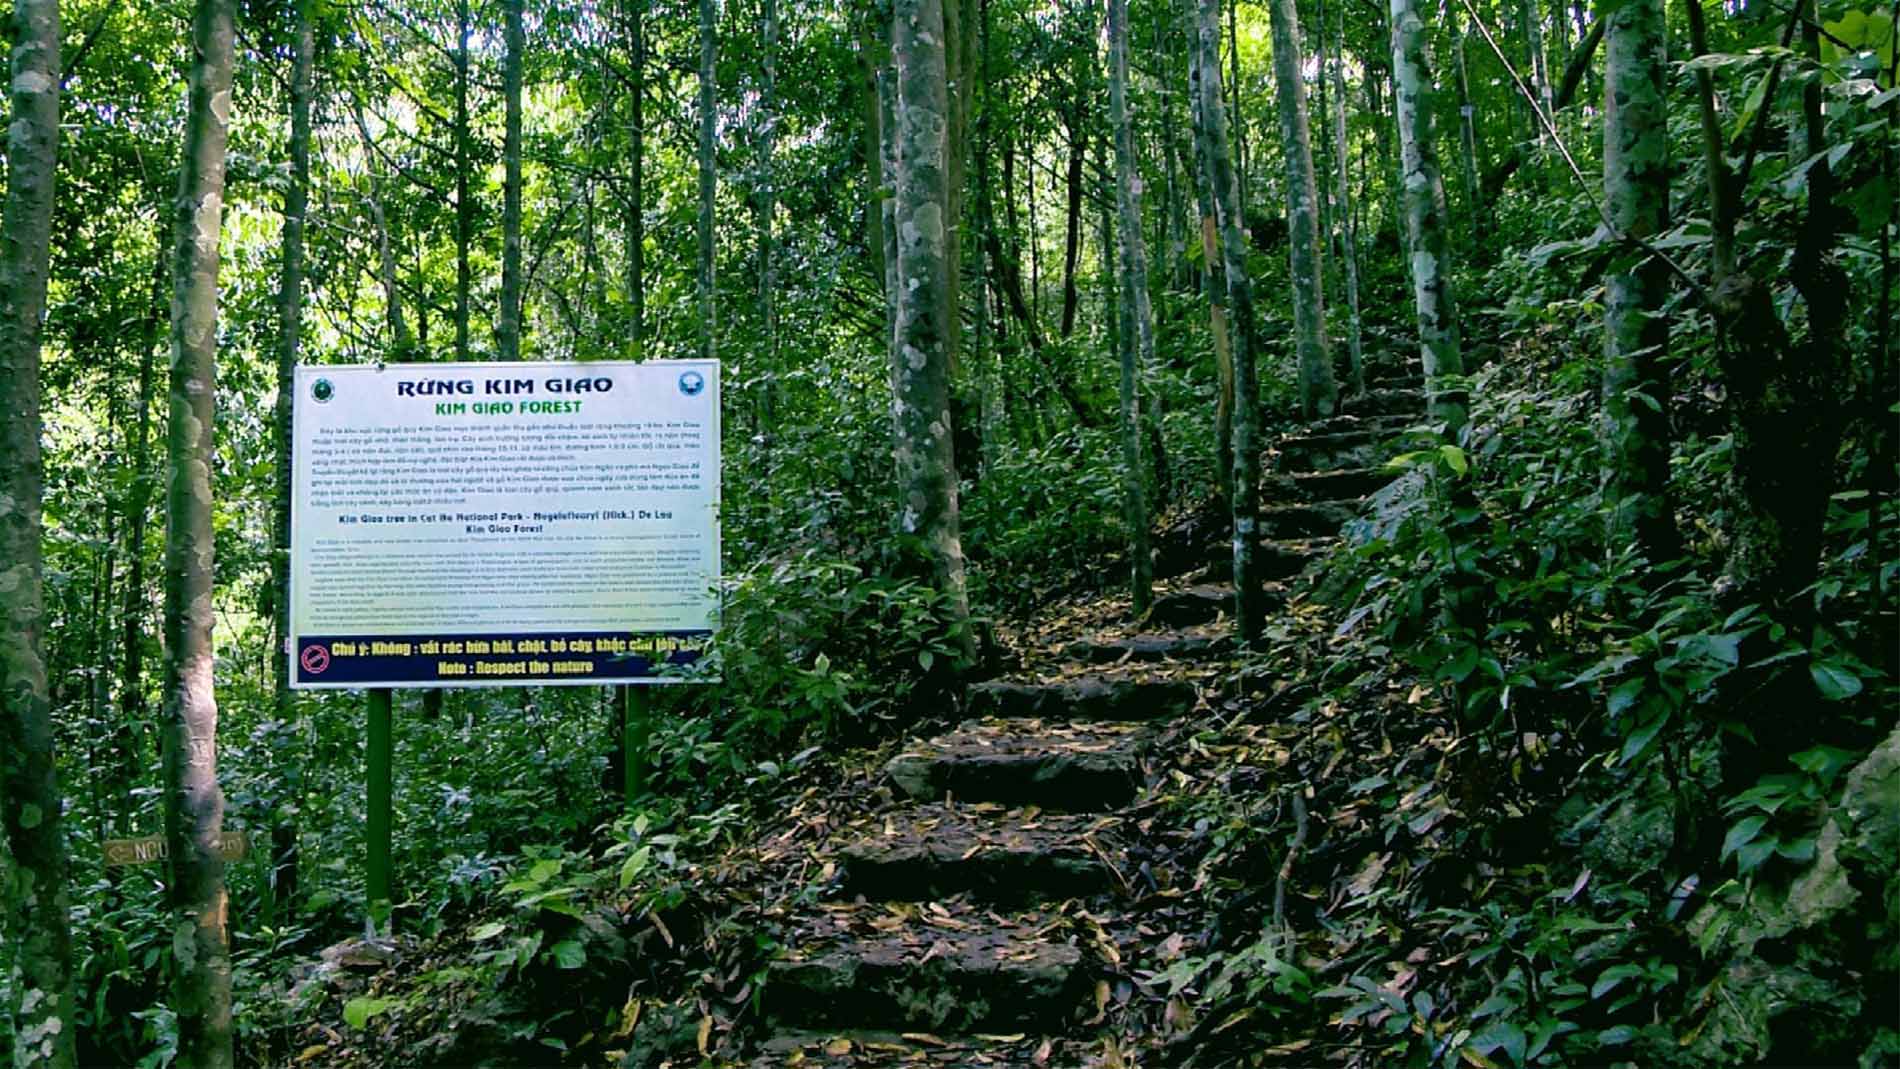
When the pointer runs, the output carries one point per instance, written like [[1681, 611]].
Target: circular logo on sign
[[315, 659], [691, 382], [322, 390]]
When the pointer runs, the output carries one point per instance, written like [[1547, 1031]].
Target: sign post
[[381, 809], [501, 524]]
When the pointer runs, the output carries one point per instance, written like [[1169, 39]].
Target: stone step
[[1004, 857], [1391, 423], [1343, 449], [1072, 767], [1148, 648], [1318, 519], [1317, 487], [928, 969], [1387, 400], [914, 1050], [1188, 607], [1086, 698]]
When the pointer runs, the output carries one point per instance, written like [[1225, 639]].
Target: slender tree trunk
[[920, 376], [1424, 199], [874, 57], [1636, 389], [283, 852], [1348, 224], [1319, 393], [708, 178], [400, 341], [35, 920], [194, 804], [1072, 245], [1475, 204], [767, 212], [132, 615], [1213, 274], [636, 178], [464, 207], [1225, 187], [1533, 21], [1237, 122], [508, 323], [1137, 339]]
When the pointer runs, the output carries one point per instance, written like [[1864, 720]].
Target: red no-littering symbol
[[315, 659]]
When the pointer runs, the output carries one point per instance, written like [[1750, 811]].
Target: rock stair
[[949, 938]]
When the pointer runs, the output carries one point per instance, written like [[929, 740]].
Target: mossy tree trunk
[[1319, 392], [193, 802], [1423, 196], [1636, 384], [34, 920], [920, 268], [1136, 340], [1224, 192]]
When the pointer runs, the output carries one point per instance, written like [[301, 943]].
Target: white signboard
[[500, 524]]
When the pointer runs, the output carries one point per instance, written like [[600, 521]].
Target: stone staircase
[[966, 926]]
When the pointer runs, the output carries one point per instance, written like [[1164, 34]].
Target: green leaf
[[1801, 849], [1645, 733], [569, 954], [357, 1012], [1454, 458], [30, 816], [1750, 857], [925, 659], [635, 864], [489, 931], [1611, 977], [1743, 833], [1834, 680], [1617, 1036]]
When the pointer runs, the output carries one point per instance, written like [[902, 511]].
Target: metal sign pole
[[381, 754]]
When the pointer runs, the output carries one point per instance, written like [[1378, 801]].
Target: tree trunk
[[464, 207], [1137, 339], [194, 804], [508, 323], [1476, 206], [1533, 21], [1348, 223], [283, 850], [708, 178], [1424, 201], [1072, 245], [35, 922], [1636, 389], [1319, 394], [767, 207], [636, 179], [132, 615], [1213, 280], [1211, 133], [920, 375], [401, 343]]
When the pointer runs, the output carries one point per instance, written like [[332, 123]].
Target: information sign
[[499, 524], [232, 846]]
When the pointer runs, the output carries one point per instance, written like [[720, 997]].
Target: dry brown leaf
[[705, 1034]]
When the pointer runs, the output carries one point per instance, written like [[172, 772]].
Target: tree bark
[[1137, 340], [1476, 204], [402, 344], [508, 323], [1424, 200], [1636, 388], [636, 178], [135, 608], [920, 375], [464, 207], [1213, 279], [283, 849], [1249, 611], [35, 922], [194, 804], [708, 178], [1348, 222], [1319, 393]]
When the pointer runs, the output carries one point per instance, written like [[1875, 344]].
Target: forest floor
[[1041, 880]]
